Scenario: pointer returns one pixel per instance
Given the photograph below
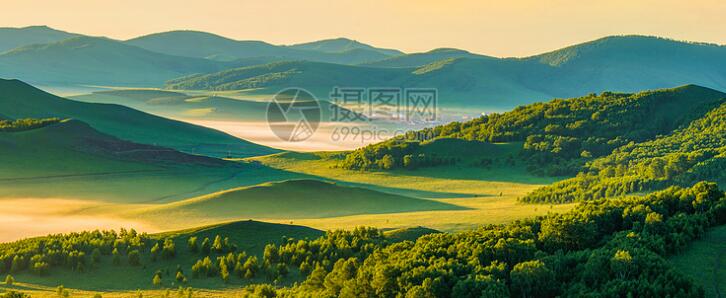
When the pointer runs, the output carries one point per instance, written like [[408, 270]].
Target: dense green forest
[[695, 153], [607, 247], [611, 248], [559, 136]]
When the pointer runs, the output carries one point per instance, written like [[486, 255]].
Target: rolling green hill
[[70, 160], [558, 136], [294, 199], [628, 63], [20, 100], [683, 157], [621, 63], [11, 38], [93, 60], [317, 77], [206, 45], [73, 148]]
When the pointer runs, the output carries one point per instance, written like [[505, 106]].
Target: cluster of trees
[[399, 153], [694, 153], [609, 248], [75, 251], [219, 245], [303, 256], [559, 136], [227, 263], [25, 124]]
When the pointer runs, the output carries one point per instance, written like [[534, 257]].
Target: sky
[[497, 28]]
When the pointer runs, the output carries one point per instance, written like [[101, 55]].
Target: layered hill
[[20, 100], [178, 105], [73, 148], [620, 63], [11, 38], [210, 46], [94, 60], [294, 199]]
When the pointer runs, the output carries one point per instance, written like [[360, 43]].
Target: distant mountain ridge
[[193, 59], [341, 44], [97, 60], [11, 38], [207, 45], [620, 63]]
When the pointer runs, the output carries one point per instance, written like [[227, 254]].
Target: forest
[[695, 153], [604, 247]]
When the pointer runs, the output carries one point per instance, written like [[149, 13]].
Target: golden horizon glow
[[497, 28]]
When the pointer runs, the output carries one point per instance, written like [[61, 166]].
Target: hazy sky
[[499, 28]]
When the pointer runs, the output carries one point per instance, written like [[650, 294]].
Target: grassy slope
[[705, 261], [490, 194], [293, 199], [54, 151], [71, 160], [19, 100]]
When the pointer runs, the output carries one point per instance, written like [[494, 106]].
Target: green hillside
[[558, 137], [704, 260], [622, 64], [293, 199], [74, 148], [694, 153], [11, 38], [93, 60], [20, 100], [210, 46], [628, 63], [247, 237], [70, 160]]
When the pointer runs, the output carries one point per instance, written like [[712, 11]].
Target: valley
[[186, 163]]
